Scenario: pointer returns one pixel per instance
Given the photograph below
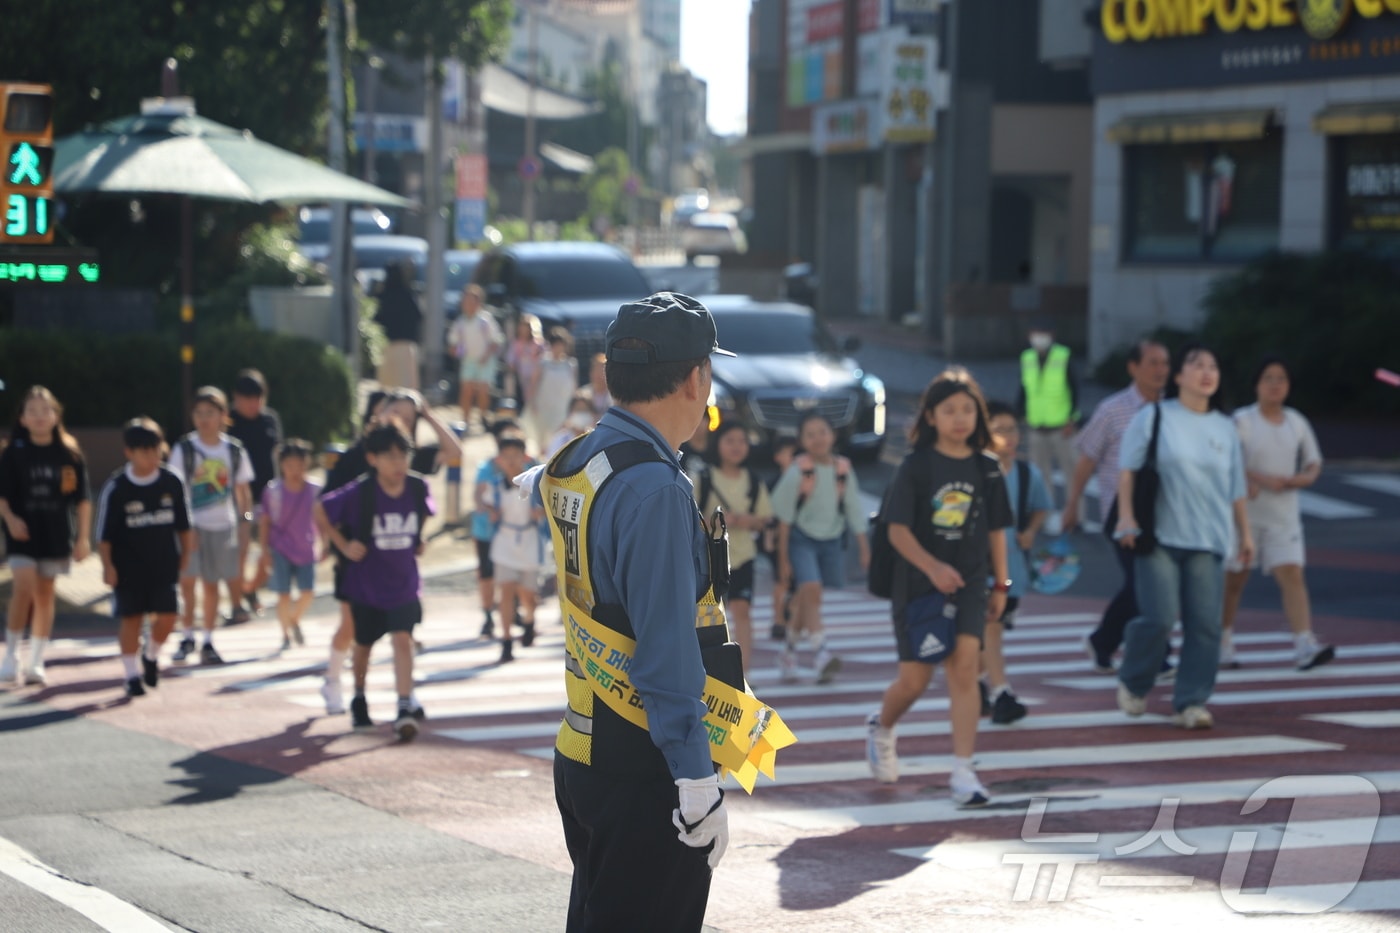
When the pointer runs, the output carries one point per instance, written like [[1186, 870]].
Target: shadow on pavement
[[811, 879], [225, 772]]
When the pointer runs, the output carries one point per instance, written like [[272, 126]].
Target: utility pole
[[532, 32], [434, 321], [343, 306]]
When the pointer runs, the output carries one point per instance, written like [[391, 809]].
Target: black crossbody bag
[[1146, 483]]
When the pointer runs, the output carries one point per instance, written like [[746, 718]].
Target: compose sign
[[1147, 20]]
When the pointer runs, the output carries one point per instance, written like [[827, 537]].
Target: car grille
[[781, 411]]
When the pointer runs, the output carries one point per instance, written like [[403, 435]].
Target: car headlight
[[874, 388]]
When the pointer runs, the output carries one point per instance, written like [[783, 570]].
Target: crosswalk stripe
[[1227, 678], [1387, 483], [1064, 756], [928, 809], [1316, 505], [1362, 719], [1205, 840]]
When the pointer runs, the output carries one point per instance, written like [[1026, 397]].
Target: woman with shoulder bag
[[1199, 510]]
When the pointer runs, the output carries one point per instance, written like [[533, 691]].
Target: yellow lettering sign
[[1146, 20]]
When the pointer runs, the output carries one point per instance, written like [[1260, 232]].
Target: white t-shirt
[[517, 543], [1281, 449], [211, 488], [475, 338]]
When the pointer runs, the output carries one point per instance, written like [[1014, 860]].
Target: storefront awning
[[505, 91], [1218, 126], [771, 142], [567, 159], [1356, 119]]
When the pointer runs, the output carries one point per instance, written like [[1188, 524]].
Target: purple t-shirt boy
[[387, 577], [291, 527]]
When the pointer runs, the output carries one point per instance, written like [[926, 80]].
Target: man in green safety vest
[[1048, 402]]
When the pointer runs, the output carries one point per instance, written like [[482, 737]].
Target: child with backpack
[[218, 473], [517, 547], [377, 523], [817, 503], [287, 529], [1026, 490], [730, 484], [945, 513]]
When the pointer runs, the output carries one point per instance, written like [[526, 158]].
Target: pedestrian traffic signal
[[26, 175]]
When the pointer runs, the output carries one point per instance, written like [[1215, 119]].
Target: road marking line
[[1387, 483], [1370, 719], [1206, 840], [106, 910], [1206, 909], [1317, 505], [1327, 672], [926, 809]]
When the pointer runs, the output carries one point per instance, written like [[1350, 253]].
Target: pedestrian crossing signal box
[[26, 175]]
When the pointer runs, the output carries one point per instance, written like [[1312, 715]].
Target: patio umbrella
[[179, 153]]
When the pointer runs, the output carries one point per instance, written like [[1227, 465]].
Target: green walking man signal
[[26, 175]]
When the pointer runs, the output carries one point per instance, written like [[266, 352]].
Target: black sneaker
[[527, 634], [134, 688], [359, 713], [506, 654], [418, 713], [986, 698], [185, 649], [150, 671], [778, 632], [488, 628], [1007, 709], [207, 654], [405, 727]]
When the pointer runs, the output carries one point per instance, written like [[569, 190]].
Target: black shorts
[[741, 582], [372, 623], [972, 620], [142, 598], [338, 578], [485, 570]]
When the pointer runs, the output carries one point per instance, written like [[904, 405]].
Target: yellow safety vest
[[1048, 400], [745, 734]]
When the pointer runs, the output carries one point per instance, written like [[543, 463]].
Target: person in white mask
[[580, 418], [1048, 401]]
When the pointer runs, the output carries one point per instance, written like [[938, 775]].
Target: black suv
[[577, 285]]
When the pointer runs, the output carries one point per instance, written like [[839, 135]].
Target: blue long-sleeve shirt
[[648, 554]]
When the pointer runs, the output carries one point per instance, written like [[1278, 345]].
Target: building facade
[[1229, 130]]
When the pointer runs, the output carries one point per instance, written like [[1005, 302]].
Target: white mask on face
[[1041, 342], [580, 421]]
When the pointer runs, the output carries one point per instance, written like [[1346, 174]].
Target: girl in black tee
[[47, 514]]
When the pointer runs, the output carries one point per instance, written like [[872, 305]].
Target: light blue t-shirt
[[1202, 469], [1037, 500], [483, 529]]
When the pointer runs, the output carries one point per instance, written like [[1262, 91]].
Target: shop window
[[1202, 202], [1365, 202]]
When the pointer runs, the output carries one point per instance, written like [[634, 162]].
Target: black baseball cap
[[677, 326]]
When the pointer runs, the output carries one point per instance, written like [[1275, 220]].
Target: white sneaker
[[827, 664], [1130, 704], [1228, 661], [332, 693], [9, 669], [1313, 655], [880, 750], [1194, 717], [34, 674], [967, 791], [787, 666]]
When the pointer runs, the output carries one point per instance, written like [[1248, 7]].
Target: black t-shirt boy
[[260, 436], [43, 483], [951, 505], [140, 519]]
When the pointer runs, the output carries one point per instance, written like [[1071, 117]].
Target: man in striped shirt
[[1148, 365]]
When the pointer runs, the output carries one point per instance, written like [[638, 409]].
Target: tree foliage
[[473, 31], [254, 64]]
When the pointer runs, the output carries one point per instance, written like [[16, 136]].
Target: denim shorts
[[816, 561], [284, 572], [46, 567]]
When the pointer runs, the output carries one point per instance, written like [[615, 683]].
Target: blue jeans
[[1174, 583]]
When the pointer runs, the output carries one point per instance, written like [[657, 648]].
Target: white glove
[[701, 818]]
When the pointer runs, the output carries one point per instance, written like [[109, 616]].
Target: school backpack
[[707, 486], [364, 530], [879, 576], [188, 454]]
